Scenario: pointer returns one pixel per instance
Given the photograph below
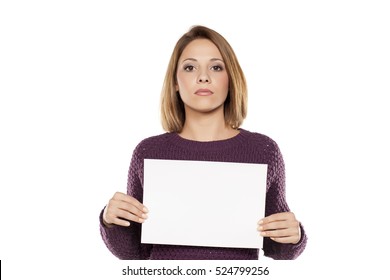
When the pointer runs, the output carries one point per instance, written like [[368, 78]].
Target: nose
[[203, 78]]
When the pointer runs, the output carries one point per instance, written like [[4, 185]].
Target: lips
[[203, 92]]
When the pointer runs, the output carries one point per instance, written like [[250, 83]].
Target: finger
[[123, 210], [273, 226], [121, 222], [287, 236], [279, 225], [130, 208], [121, 218], [280, 233], [129, 216], [131, 200], [277, 217]]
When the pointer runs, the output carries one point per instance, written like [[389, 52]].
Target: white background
[[80, 85]]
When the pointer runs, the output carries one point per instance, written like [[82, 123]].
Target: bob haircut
[[235, 106]]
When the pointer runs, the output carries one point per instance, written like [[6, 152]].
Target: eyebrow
[[193, 59]]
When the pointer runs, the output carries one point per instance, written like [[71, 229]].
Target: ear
[[176, 87]]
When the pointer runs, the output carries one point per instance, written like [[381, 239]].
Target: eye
[[189, 68], [217, 68]]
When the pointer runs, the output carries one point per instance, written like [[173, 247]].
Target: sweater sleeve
[[125, 242], [276, 203]]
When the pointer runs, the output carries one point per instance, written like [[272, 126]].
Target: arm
[[278, 212], [123, 238]]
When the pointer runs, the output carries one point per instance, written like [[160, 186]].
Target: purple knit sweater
[[246, 147]]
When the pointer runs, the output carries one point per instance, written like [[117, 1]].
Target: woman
[[204, 102]]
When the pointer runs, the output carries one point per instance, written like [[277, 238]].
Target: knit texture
[[245, 147]]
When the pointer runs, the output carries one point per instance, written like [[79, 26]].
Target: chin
[[207, 110]]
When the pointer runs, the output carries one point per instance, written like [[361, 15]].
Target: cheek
[[225, 82], [185, 83], [180, 82]]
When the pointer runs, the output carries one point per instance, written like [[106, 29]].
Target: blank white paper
[[203, 203]]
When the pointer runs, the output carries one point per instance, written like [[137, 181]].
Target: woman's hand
[[281, 227], [122, 208]]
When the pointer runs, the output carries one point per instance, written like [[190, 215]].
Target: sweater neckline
[[238, 139]]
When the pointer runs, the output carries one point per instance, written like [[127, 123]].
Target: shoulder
[[156, 139], [260, 140], [268, 150], [155, 142]]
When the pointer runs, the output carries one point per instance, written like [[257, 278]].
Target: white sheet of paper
[[203, 203]]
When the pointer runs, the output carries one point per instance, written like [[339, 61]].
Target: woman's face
[[202, 80]]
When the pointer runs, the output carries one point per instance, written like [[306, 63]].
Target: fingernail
[[141, 220], [145, 210], [144, 216], [260, 222], [260, 228]]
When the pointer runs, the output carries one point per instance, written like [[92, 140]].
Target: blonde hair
[[235, 107]]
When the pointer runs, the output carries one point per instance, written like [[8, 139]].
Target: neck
[[206, 127]]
